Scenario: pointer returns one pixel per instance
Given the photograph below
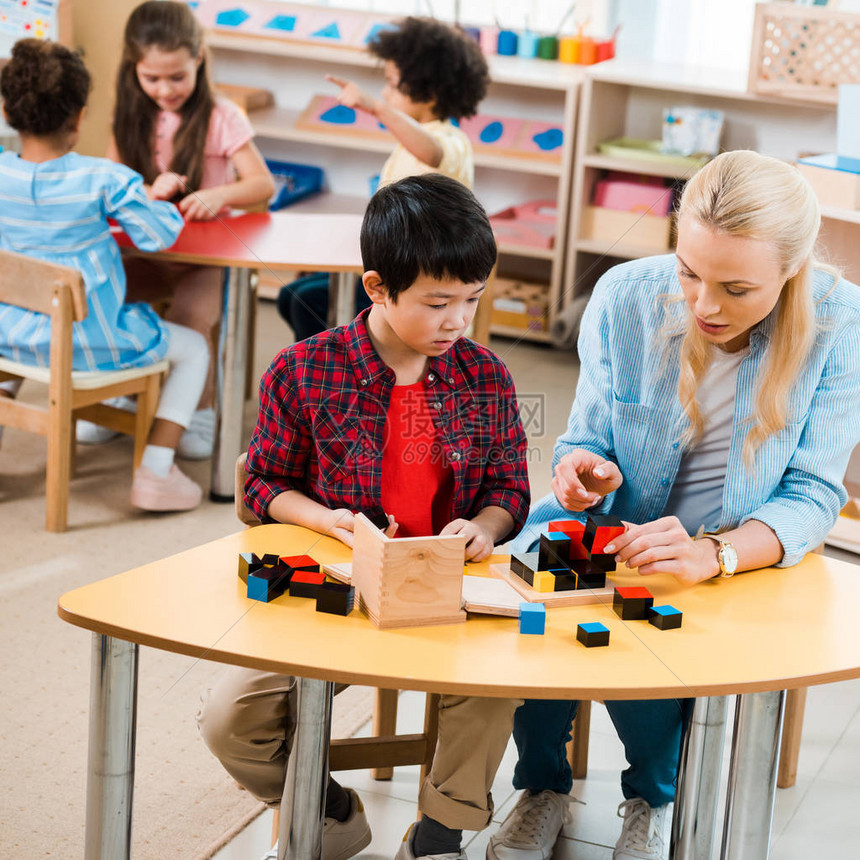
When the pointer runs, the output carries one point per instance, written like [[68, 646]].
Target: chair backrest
[[31, 284]]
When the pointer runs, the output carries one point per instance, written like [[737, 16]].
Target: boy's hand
[[202, 205], [480, 542], [166, 186], [352, 96], [582, 479], [340, 524]]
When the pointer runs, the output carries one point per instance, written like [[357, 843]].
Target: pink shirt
[[229, 131]]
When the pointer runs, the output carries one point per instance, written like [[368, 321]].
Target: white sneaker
[[197, 441], [531, 829], [87, 433], [341, 839], [405, 852], [646, 831]]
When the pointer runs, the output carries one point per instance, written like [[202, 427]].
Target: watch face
[[729, 558]]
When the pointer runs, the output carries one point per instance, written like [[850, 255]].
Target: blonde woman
[[719, 388]]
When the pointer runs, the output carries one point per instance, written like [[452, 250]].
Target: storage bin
[[520, 305], [651, 233], [294, 182]]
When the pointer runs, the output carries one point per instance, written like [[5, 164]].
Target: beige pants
[[248, 720]]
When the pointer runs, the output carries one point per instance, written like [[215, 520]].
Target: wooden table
[[241, 243], [754, 635]]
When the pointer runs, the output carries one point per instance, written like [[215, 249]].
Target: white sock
[[158, 459]]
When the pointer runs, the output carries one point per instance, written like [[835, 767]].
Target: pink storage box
[[628, 192]]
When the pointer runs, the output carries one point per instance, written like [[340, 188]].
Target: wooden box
[[833, 187], [519, 304], [407, 582], [248, 98], [804, 52], [651, 233]]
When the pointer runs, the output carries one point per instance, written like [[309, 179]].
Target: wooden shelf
[[523, 333], [632, 165], [849, 216], [529, 251], [279, 123], [619, 249]]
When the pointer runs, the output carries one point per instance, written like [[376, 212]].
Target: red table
[[240, 243]]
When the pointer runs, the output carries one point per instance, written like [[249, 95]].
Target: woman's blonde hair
[[753, 196]]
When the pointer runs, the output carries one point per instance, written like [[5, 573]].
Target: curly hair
[[44, 87], [437, 63]]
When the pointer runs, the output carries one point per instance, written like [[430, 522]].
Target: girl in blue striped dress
[[55, 205]]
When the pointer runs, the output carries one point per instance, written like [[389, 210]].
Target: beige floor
[[43, 724]]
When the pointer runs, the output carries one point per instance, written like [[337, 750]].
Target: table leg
[[752, 776], [341, 300], [695, 818], [113, 717], [230, 382], [303, 802]]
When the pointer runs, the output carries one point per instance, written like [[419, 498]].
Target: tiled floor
[[815, 818]]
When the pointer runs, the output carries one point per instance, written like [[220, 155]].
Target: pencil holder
[[568, 49], [507, 43], [528, 44], [588, 52], [547, 48], [489, 40]]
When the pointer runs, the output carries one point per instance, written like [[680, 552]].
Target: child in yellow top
[[434, 76]]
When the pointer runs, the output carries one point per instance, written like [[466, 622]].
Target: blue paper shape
[[339, 114], [552, 138], [332, 31], [378, 28], [491, 132], [231, 18], [287, 23]]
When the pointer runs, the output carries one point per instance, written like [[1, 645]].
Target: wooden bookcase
[[522, 88], [624, 98]]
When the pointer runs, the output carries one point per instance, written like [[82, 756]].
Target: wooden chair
[[58, 292], [385, 749]]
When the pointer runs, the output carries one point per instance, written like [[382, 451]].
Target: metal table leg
[[230, 382], [341, 302], [752, 776], [694, 821], [113, 719], [303, 802]]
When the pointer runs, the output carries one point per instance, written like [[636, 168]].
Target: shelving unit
[[624, 98], [521, 88]]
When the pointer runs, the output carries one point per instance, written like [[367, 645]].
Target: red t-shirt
[[417, 480]]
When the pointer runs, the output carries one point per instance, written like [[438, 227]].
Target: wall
[[97, 31]]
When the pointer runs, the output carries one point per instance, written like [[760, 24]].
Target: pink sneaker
[[176, 492]]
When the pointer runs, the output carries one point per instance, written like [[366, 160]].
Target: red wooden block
[[600, 530], [633, 591], [575, 530], [300, 562]]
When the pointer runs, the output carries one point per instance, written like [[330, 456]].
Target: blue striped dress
[[57, 211], [627, 410]]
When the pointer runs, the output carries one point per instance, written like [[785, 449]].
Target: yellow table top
[[765, 630]]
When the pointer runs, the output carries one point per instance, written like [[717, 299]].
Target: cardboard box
[[835, 180], [520, 305], [649, 232]]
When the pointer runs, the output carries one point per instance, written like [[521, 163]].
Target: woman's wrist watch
[[727, 557]]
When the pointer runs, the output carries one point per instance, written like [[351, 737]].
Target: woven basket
[[804, 52]]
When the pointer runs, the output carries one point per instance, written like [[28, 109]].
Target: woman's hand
[[352, 96], [479, 543], [582, 479], [202, 205], [166, 186], [663, 546]]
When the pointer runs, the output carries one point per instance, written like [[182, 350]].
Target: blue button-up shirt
[[627, 410]]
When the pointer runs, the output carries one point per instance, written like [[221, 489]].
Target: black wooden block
[[336, 598]]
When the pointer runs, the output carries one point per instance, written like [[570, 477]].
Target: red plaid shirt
[[321, 426]]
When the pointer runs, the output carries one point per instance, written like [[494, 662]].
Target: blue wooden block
[[592, 634], [665, 617], [532, 618]]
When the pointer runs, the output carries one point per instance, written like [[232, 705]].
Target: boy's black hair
[[44, 87], [437, 63], [428, 225]]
